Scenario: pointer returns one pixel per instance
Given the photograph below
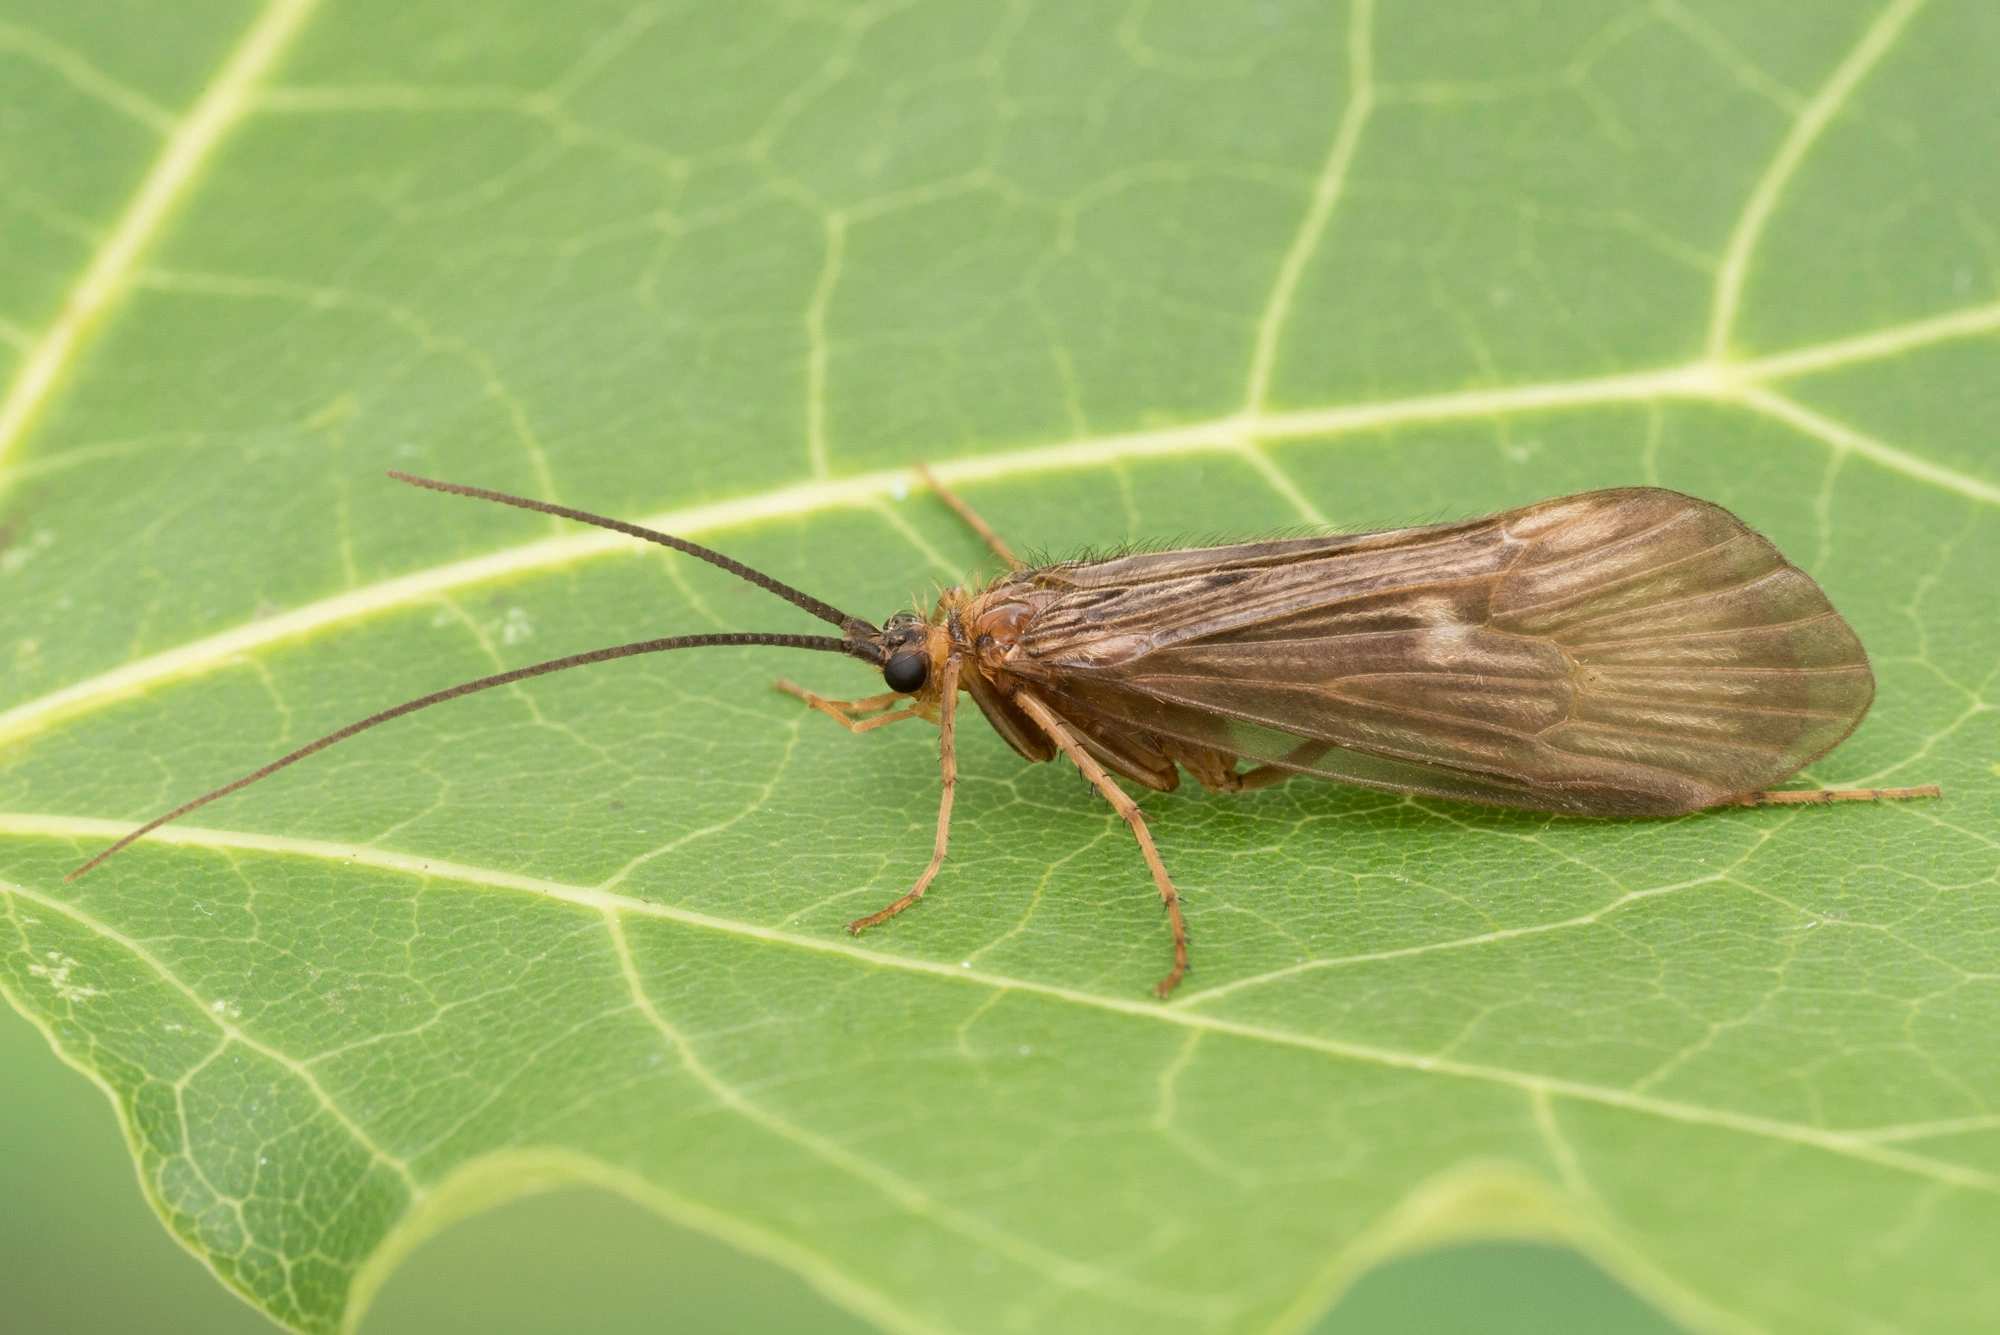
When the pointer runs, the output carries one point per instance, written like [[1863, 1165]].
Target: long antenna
[[824, 643], [853, 627]]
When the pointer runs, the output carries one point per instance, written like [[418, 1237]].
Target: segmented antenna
[[823, 643], [853, 627]]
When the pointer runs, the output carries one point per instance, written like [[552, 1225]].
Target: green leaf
[[1124, 272]]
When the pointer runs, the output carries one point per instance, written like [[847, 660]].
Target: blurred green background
[[581, 1260]]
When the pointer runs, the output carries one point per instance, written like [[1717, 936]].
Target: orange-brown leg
[[1827, 796], [971, 517], [841, 710], [1046, 719], [948, 763]]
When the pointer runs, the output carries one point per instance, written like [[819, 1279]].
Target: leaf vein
[[1805, 132], [297, 1069], [906, 1194], [1854, 1144], [184, 154]]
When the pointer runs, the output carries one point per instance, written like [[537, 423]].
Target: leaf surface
[[1124, 273]]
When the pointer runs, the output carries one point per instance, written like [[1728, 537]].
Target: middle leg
[[1129, 811]]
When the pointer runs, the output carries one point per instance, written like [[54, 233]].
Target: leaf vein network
[[1059, 1269], [1865, 1144], [230, 1032]]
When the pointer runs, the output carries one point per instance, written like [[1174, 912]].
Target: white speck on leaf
[[59, 979]]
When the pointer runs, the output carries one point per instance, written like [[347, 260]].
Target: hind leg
[[1828, 796], [972, 518], [1135, 820]]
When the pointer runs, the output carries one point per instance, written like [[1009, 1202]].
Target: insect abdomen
[[1624, 652]]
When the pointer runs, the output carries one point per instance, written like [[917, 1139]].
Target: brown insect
[[1631, 652]]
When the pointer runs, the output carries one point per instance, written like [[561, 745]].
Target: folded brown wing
[[1626, 652]]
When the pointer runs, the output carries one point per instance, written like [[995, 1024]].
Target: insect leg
[[1252, 779], [948, 763], [1826, 796], [841, 710], [971, 517], [1129, 811]]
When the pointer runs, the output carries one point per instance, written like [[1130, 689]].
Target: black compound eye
[[906, 672]]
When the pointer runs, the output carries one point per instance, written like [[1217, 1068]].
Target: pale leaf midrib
[[1742, 384], [1868, 1145]]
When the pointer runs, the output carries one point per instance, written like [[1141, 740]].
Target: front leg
[[948, 768], [842, 710]]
